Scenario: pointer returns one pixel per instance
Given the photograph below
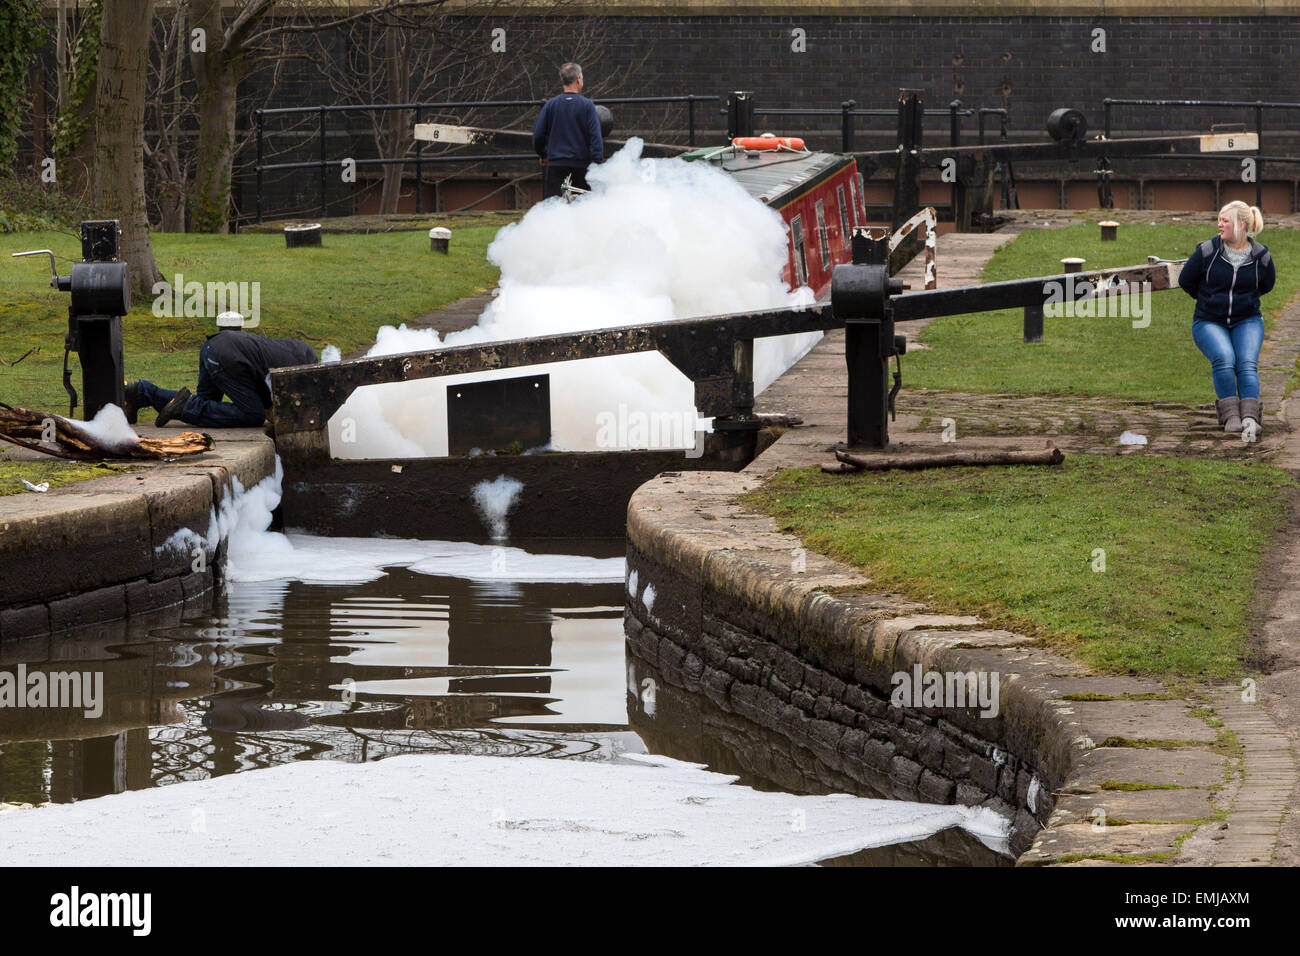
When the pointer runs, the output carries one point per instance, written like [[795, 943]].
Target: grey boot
[[1252, 411], [1229, 413]]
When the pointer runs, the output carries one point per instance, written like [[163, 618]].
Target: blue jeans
[[1233, 354], [205, 408]]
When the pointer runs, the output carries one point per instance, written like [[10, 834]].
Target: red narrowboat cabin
[[818, 195]]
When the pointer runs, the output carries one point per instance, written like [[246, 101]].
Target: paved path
[[1238, 801], [459, 315]]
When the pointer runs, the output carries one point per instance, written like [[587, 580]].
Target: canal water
[[465, 649]]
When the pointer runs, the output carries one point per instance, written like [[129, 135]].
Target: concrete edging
[[97, 551], [1121, 770]]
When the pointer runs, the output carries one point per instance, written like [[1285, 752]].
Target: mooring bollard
[[1109, 230], [440, 240], [1072, 264], [305, 235]]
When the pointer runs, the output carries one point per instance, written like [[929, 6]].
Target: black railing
[[419, 159], [1257, 106], [848, 111]]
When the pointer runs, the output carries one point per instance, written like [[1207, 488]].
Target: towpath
[[1236, 803]]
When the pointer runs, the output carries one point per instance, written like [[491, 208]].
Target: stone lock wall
[[97, 551], [809, 654]]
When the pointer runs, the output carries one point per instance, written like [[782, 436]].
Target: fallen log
[[954, 459], [103, 439]]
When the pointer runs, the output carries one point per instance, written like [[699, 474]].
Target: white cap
[[230, 320], [439, 232]]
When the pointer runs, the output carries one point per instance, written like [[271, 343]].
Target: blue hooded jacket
[[1225, 293], [567, 131]]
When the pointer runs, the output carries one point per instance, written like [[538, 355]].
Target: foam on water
[[656, 239], [643, 810], [256, 554]]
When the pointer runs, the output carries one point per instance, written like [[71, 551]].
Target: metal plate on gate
[[499, 415]]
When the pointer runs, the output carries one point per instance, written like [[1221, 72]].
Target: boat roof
[[769, 175]]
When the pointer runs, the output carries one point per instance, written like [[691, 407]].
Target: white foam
[[109, 428], [256, 554], [493, 501], [656, 239], [441, 810]]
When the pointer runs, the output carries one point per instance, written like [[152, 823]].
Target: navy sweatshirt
[[249, 358], [567, 131], [1223, 293]]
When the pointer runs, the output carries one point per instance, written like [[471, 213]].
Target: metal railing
[[1257, 106], [848, 111], [323, 163]]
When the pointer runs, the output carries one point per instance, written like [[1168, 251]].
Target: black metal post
[[740, 114], [1259, 163], [1033, 323], [259, 165], [323, 207], [1105, 198], [690, 119], [960, 214], [846, 125], [868, 372], [419, 165], [860, 295], [907, 186], [742, 387]]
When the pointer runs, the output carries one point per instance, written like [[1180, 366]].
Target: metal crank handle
[[54, 271]]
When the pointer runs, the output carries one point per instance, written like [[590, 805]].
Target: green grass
[[1015, 545], [339, 294], [1088, 356], [55, 470]]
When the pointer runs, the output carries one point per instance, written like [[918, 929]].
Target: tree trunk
[[74, 143], [216, 75], [397, 60], [119, 141]]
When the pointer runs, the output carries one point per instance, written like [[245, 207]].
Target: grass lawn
[[56, 471], [339, 294], [1089, 356], [1017, 546]]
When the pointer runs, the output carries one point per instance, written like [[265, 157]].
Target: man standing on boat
[[567, 135]]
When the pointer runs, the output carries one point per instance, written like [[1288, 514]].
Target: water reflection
[[274, 672], [289, 671]]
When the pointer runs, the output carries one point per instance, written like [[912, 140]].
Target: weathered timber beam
[[305, 396], [1018, 293], [1227, 143], [448, 134]]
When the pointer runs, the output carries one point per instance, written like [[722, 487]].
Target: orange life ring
[[768, 142]]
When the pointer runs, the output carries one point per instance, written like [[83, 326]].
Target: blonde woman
[[1226, 276]]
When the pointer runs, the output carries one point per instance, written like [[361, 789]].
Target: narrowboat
[[819, 195]]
